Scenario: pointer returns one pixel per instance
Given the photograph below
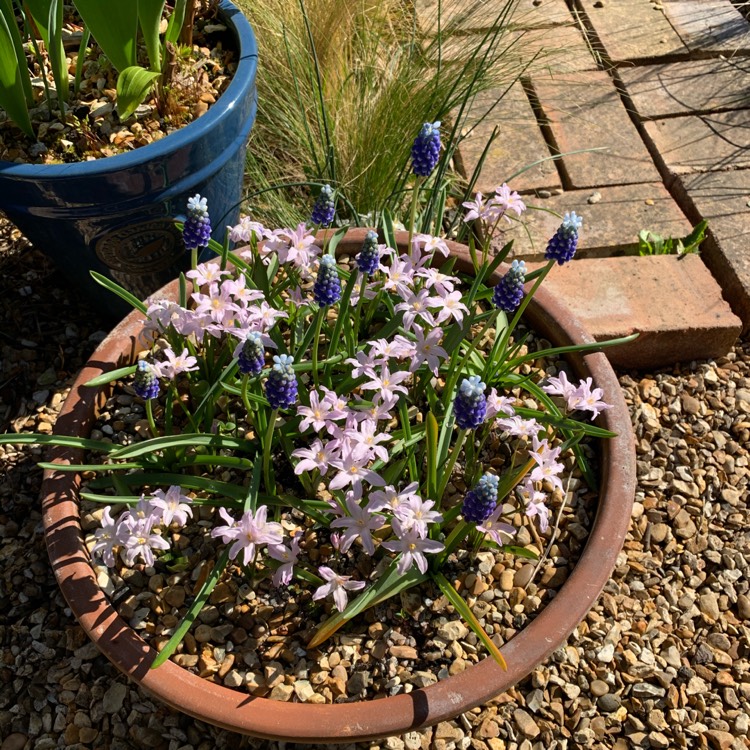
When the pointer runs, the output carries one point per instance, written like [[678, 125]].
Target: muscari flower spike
[[480, 502], [426, 149], [281, 386], [197, 229], [509, 291], [324, 208], [470, 406], [368, 259], [327, 287], [146, 381], [562, 246], [252, 357]]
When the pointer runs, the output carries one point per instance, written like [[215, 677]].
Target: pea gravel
[[661, 661]]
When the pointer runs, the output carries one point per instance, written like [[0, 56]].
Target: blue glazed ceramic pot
[[116, 215]]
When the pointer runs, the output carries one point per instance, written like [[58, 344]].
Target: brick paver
[[519, 144], [674, 303], [479, 15], [688, 87], [702, 143], [709, 25], [723, 198], [588, 114], [632, 30], [610, 225]]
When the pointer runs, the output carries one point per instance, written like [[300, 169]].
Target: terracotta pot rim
[[343, 722]]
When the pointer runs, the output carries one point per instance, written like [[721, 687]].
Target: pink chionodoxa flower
[[390, 499], [318, 456], [417, 514], [547, 467], [287, 556], [173, 505], [175, 364], [337, 587], [247, 230], [586, 399], [251, 531], [535, 504], [499, 404], [493, 527], [138, 538], [412, 548], [449, 306], [205, 274], [106, 539], [359, 524]]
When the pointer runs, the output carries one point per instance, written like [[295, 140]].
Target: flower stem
[[316, 343], [150, 417], [267, 440], [446, 475], [413, 215]]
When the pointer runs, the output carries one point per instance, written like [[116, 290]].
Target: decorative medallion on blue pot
[[116, 215]]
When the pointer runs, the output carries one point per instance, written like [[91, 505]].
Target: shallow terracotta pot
[[346, 722]]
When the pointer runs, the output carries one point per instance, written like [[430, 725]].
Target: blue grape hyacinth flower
[[481, 501], [368, 259], [327, 287], [470, 406], [197, 229], [563, 245], [508, 292], [252, 357], [324, 208], [146, 381], [425, 152], [281, 386]]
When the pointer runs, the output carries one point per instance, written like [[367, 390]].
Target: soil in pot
[[91, 128]]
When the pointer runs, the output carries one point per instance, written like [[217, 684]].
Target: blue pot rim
[[242, 81]]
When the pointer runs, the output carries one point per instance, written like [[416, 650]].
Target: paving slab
[[723, 198], [631, 30], [702, 143], [586, 114], [519, 144], [673, 303], [480, 15], [550, 51], [714, 26], [559, 51], [688, 87], [610, 225]]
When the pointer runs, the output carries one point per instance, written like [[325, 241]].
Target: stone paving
[[648, 112]]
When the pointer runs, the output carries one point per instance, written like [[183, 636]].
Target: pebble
[[529, 728], [599, 688], [114, 698]]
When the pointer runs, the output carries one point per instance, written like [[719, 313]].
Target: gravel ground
[[661, 661]]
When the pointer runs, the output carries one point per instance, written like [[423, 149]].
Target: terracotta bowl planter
[[346, 722]]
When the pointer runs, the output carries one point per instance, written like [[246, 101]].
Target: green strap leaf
[[115, 288], [133, 85], [468, 616], [64, 441], [13, 73], [114, 26], [111, 376], [187, 621], [187, 440], [149, 16]]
